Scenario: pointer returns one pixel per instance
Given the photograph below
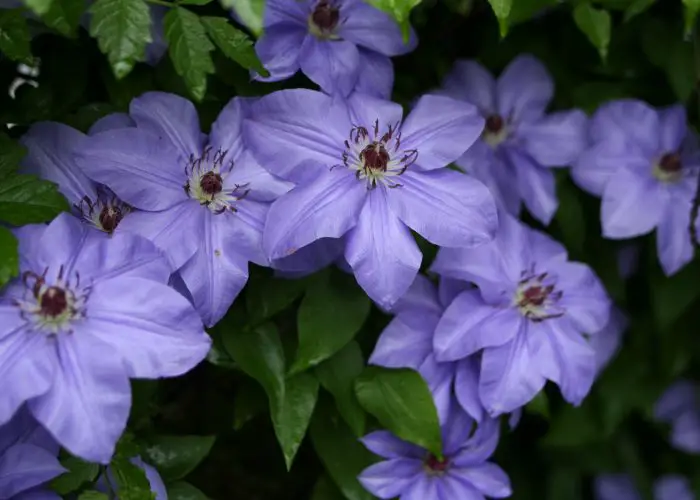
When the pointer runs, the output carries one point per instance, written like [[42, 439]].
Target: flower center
[[669, 168], [536, 296], [206, 182], [54, 307], [324, 20], [105, 213], [436, 466], [495, 131], [376, 158]]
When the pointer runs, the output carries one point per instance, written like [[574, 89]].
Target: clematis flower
[[79, 296], [154, 479], [530, 317], [520, 143], [412, 473], [622, 487], [643, 163], [361, 174], [27, 459], [341, 45], [679, 406], [202, 201]]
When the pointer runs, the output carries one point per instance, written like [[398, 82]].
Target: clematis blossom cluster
[[679, 406]]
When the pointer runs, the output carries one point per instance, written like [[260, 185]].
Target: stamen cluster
[[537, 297], [206, 182]]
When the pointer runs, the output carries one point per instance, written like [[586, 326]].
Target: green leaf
[[343, 456], [259, 354], [692, 7], [680, 69], [330, 315], [400, 10], [326, 490], [122, 29], [177, 456], [131, 481], [64, 16], [184, 491], [14, 35], [11, 153], [233, 43], [596, 25], [79, 472], [39, 6], [524, 10], [337, 375], [401, 401], [637, 7], [9, 260], [573, 427], [671, 296], [92, 495], [266, 296], [502, 10], [250, 12], [24, 199], [570, 219], [291, 418], [250, 401], [189, 49], [193, 2]]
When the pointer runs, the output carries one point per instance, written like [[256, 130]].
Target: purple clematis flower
[[362, 174], [622, 487], [530, 316], [203, 201], [520, 143], [154, 479], [680, 407], [79, 296], [27, 459], [643, 163], [341, 45], [412, 473]]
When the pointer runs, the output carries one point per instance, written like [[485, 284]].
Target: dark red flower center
[[435, 464], [211, 183], [375, 157], [536, 295], [325, 16], [671, 163], [494, 124], [110, 217], [54, 301]]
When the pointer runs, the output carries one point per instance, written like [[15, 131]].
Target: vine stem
[[695, 209]]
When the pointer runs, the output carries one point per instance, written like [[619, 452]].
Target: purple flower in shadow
[[679, 406]]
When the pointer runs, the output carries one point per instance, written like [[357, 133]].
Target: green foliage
[[9, 261], [596, 24], [233, 43], [249, 11], [502, 9], [14, 35], [79, 472], [399, 10], [129, 480], [184, 491], [177, 456]]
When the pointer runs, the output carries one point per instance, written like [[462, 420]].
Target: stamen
[[105, 213], [536, 296], [206, 182]]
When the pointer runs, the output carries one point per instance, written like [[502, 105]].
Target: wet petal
[[405, 344], [25, 466], [488, 478], [278, 50], [524, 89], [382, 252], [390, 478], [88, 404], [141, 168], [632, 205], [447, 208], [170, 117], [329, 207], [373, 29], [536, 185], [470, 81], [556, 140], [333, 65], [376, 76], [153, 328], [387, 445], [441, 129]]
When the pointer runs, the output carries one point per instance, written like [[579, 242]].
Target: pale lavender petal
[[449, 288], [289, 11], [585, 300], [389, 479], [628, 121], [615, 487], [406, 341], [469, 325], [632, 205], [673, 245], [596, 165], [673, 487], [382, 252], [607, 342], [373, 29], [439, 377], [50, 155], [246, 229], [457, 431], [227, 131], [481, 445], [170, 117], [421, 296], [88, 405], [141, 168], [278, 50], [25, 466], [470, 81], [445, 207], [327, 208], [673, 122], [263, 185], [557, 139], [332, 65], [110, 122], [376, 76], [151, 327], [679, 398], [489, 479], [441, 129], [536, 185], [524, 89], [387, 445], [366, 110], [685, 432], [466, 387], [311, 258], [61, 242], [423, 488]]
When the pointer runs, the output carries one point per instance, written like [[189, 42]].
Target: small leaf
[[259, 354], [330, 315], [596, 25], [502, 10], [343, 456], [291, 419], [14, 35], [24, 199], [64, 16], [233, 43], [400, 10], [92, 495], [671, 296], [39, 6], [680, 70], [9, 260], [337, 375], [250, 401], [692, 7], [79, 472], [184, 491], [189, 49], [266, 296], [401, 401], [11, 153], [122, 29], [637, 7], [177, 456], [250, 12], [130, 480]]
